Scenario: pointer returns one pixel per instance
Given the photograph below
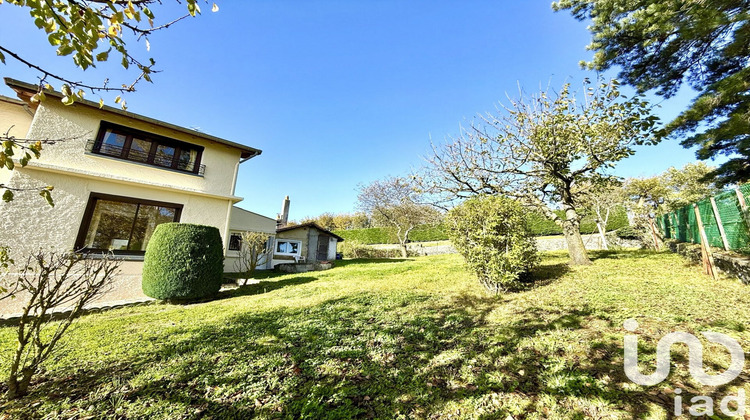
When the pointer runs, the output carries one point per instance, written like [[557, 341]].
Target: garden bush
[[492, 234], [183, 262]]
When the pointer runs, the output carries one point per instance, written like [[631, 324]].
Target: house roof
[[312, 225], [25, 90], [252, 212], [10, 100]]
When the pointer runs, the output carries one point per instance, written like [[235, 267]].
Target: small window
[[287, 247], [122, 225], [138, 146], [235, 242]]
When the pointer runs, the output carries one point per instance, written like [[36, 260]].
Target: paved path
[[99, 305]]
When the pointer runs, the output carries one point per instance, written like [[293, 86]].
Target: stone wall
[[727, 262], [547, 243]]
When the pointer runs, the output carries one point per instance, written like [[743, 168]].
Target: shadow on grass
[[622, 255], [373, 356], [264, 287], [545, 274], [367, 261]]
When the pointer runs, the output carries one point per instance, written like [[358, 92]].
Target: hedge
[[537, 223], [183, 262]]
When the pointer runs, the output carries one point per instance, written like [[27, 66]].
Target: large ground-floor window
[[122, 225]]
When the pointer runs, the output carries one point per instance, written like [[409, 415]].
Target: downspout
[[226, 227], [234, 178]]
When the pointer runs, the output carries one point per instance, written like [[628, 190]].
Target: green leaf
[[8, 196], [102, 56], [2, 58], [47, 196]]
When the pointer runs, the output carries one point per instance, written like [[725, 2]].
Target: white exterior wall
[[332, 249], [15, 119], [30, 224], [79, 123], [245, 221], [37, 225]]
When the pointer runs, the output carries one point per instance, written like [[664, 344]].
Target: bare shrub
[[47, 281], [254, 252]]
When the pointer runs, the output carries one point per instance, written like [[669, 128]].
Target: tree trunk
[[576, 248], [16, 388], [603, 235], [404, 250]]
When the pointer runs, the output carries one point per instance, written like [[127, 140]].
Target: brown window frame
[[156, 141], [91, 205]]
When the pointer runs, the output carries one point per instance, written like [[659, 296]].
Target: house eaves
[[26, 90], [310, 225]]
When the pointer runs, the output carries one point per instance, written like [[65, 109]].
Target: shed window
[[129, 144], [287, 247], [122, 225]]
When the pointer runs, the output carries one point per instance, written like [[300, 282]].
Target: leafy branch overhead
[[90, 31], [28, 149]]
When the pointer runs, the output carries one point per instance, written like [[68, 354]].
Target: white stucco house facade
[[242, 220], [116, 176]]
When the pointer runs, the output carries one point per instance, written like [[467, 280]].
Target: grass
[[410, 338]]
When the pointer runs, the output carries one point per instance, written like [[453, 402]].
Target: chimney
[[283, 217]]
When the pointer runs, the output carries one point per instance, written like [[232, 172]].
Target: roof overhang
[[310, 225], [26, 90]]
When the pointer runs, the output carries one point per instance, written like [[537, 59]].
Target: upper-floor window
[[138, 146]]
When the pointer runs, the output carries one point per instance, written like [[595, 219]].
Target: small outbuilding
[[308, 243], [305, 243]]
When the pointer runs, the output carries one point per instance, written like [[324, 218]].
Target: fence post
[[708, 258], [741, 198], [718, 223]]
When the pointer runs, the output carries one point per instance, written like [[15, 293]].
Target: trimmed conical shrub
[[183, 262]]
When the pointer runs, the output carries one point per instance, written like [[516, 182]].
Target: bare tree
[[602, 200], [394, 202], [49, 281], [546, 150], [254, 251]]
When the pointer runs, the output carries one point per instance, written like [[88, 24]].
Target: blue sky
[[338, 93]]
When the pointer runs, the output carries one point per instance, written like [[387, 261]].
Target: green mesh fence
[[710, 226], [693, 235], [667, 226], [682, 224], [735, 225], [745, 189]]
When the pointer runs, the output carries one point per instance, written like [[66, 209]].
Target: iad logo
[[663, 362]]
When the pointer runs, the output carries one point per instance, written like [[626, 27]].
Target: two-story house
[[116, 176]]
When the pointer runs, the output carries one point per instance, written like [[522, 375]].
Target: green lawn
[[389, 339]]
